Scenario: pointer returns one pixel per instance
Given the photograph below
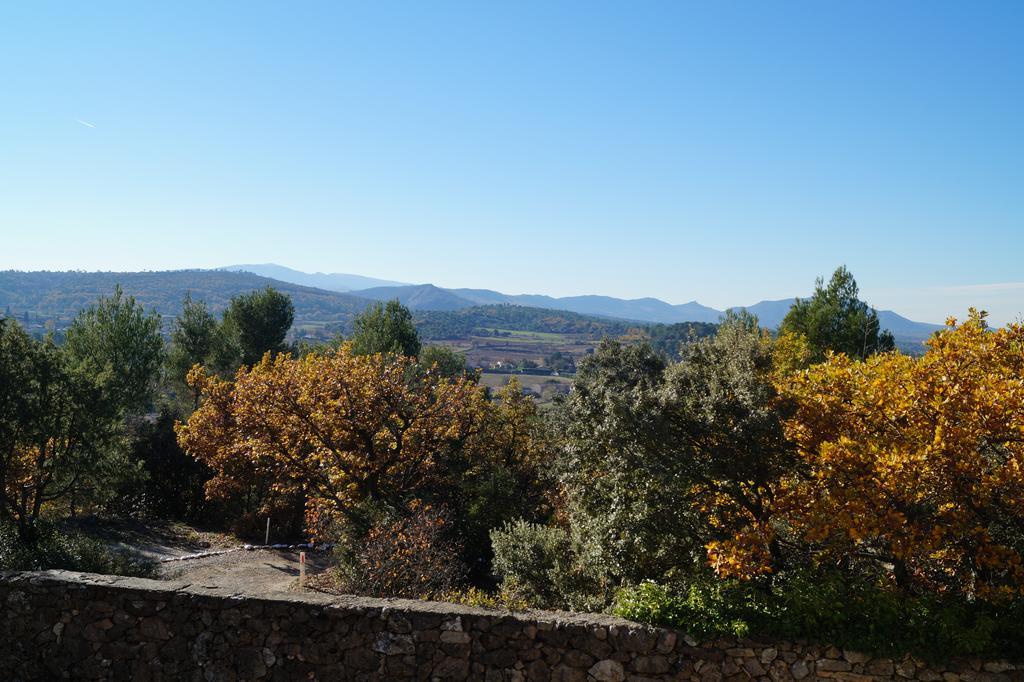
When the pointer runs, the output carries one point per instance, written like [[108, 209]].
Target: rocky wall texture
[[63, 625]]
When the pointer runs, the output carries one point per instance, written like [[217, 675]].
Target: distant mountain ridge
[[334, 281], [427, 297]]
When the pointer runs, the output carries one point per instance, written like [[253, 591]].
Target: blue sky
[[723, 151]]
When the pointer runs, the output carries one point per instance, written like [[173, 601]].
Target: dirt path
[[253, 571], [232, 570]]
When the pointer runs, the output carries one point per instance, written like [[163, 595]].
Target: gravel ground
[[250, 571], [238, 570]]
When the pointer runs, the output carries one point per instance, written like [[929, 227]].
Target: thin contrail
[[85, 123]]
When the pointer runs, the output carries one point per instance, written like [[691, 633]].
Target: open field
[[487, 351], [544, 388]]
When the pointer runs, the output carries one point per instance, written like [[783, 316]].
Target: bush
[[406, 557], [474, 596], [704, 608], [58, 549], [829, 608], [539, 565], [865, 614]]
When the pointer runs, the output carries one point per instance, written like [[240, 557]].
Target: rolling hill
[[57, 297], [419, 297]]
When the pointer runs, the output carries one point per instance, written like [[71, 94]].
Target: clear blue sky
[[722, 151]]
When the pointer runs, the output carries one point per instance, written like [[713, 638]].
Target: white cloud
[[85, 123]]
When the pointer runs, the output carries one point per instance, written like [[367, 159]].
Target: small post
[[302, 569], [266, 540]]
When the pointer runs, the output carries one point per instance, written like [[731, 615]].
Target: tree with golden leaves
[[344, 428], [914, 467]]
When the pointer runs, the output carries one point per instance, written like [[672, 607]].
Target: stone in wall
[[63, 625]]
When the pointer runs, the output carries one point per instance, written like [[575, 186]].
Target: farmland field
[[517, 347]]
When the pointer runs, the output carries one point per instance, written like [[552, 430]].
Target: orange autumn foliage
[[343, 428], [918, 462], [913, 465]]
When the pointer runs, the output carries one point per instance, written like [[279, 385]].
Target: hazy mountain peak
[[334, 281]]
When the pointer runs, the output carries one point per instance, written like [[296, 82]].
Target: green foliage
[[834, 319], [54, 548], [829, 607], [702, 609], [385, 328], [670, 339], [117, 342], [538, 565], [861, 613], [174, 484], [257, 323], [483, 320], [443, 360], [653, 449], [560, 362], [59, 430], [194, 340]]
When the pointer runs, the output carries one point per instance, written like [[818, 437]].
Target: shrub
[[58, 549], [703, 608], [474, 596], [830, 608], [406, 557], [540, 565]]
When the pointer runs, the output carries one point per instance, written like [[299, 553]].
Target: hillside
[[421, 297], [492, 319], [57, 297]]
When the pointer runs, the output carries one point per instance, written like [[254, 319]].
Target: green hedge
[[831, 609]]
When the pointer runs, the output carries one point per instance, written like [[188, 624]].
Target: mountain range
[[769, 313], [428, 297], [326, 299]]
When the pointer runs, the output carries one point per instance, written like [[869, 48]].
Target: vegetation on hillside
[[489, 319]]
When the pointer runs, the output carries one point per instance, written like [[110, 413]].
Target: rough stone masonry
[[63, 625]]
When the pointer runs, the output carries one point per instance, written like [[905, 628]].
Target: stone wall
[[58, 624]]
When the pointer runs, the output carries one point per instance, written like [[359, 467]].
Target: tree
[[118, 342], [194, 337], [345, 428], [664, 460], [385, 328], [58, 428], [443, 360], [257, 323], [913, 468], [175, 483], [560, 362], [834, 319], [506, 479]]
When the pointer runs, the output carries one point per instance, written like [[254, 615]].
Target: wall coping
[[342, 602]]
